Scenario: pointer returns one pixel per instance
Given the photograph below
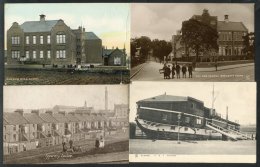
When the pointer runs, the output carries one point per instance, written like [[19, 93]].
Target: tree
[[144, 44], [199, 37], [249, 43], [161, 48]]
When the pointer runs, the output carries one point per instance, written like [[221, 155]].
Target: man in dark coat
[[184, 70], [97, 143], [164, 71], [168, 72], [71, 143], [190, 70], [178, 68], [173, 70]]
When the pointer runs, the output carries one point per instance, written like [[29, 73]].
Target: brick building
[[230, 40], [52, 42]]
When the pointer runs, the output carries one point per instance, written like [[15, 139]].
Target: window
[[34, 39], [41, 54], [48, 39], [27, 54], [34, 54], [16, 40], [41, 39], [48, 54], [164, 117], [61, 38], [14, 128], [198, 121], [186, 129], [14, 136], [172, 127], [15, 54], [187, 119], [117, 61], [27, 40], [61, 54]]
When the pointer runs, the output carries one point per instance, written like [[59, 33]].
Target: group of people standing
[[177, 69]]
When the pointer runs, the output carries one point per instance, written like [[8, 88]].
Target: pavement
[[149, 71]]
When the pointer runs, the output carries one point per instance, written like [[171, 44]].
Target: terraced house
[[25, 131], [52, 42]]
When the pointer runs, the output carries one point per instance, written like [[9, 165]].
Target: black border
[[257, 76]]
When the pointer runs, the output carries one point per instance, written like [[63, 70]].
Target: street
[[149, 71]]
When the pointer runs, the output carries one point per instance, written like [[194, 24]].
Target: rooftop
[[231, 26], [168, 98], [48, 118], [14, 118], [91, 36], [38, 26], [33, 118]]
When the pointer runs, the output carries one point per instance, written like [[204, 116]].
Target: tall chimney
[[106, 100], [226, 18], [42, 17], [227, 113]]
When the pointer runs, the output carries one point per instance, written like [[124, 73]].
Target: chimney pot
[[42, 17], [226, 18]]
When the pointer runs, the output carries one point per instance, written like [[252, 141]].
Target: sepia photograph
[[66, 124], [192, 42], [51, 44], [193, 122]]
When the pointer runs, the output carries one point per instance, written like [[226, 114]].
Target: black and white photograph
[[65, 124], [207, 42], [192, 122], [67, 43]]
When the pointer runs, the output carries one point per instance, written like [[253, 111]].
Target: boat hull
[[166, 135]]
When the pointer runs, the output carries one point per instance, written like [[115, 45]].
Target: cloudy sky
[[240, 97], [161, 21], [111, 22], [34, 97]]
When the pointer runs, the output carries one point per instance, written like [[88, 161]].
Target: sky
[[240, 97], [110, 22], [37, 97], [161, 21]]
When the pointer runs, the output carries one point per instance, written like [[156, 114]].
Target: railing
[[221, 130]]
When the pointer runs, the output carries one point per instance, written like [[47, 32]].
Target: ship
[[169, 117]]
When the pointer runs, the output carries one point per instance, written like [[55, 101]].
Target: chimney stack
[[226, 18], [42, 17], [49, 112], [37, 112], [20, 111]]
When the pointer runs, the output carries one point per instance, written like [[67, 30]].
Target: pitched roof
[[33, 118], [14, 118], [80, 117], [48, 118], [108, 52], [60, 118], [71, 118], [231, 26], [165, 97], [91, 36], [38, 26]]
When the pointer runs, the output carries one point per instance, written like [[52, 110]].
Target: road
[[211, 147], [150, 72]]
